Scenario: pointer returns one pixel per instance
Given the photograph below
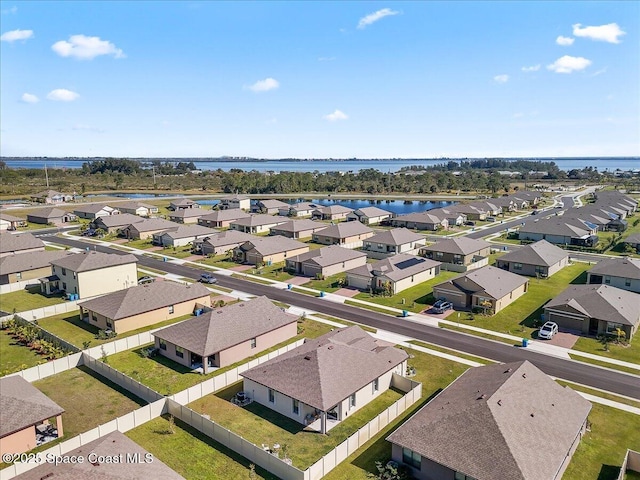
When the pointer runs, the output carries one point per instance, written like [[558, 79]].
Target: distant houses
[[298, 229], [459, 254], [222, 218], [268, 250], [258, 223], [541, 259], [234, 202], [51, 197], [182, 204], [391, 242], [51, 215], [95, 210], [420, 221], [137, 208], [19, 243], [326, 261], [187, 215], [370, 215], [346, 234]]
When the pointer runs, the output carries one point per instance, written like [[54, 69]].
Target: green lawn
[[415, 298], [522, 316], [88, 399], [15, 357], [176, 252], [602, 451], [609, 396], [168, 377], [71, 328], [141, 244], [191, 453], [329, 284], [27, 299], [220, 261], [627, 353]]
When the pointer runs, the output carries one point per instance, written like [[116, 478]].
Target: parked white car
[[548, 330]]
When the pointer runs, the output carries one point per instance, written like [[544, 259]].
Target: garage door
[[568, 323]]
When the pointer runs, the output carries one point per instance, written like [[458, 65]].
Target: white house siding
[[98, 282], [356, 281], [618, 282]]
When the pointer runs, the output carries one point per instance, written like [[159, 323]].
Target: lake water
[[622, 163]]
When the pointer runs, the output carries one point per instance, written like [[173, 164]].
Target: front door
[[593, 326]]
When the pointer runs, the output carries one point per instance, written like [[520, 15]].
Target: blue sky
[[320, 79]]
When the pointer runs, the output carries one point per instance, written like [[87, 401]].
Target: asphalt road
[[576, 372]]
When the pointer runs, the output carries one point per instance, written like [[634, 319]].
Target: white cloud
[[62, 95], [603, 33], [14, 35], [569, 64], [336, 116], [532, 68], [29, 98], [11, 10], [264, 85], [565, 41], [375, 16], [501, 78], [86, 48]]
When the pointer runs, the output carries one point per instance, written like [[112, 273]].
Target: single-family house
[[91, 273], [24, 416], [298, 228], [471, 212], [51, 197], [20, 268], [370, 215], [454, 217], [331, 212], [182, 203], [488, 288], [182, 235], [346, 234], [605, 218], [420, 221], [614, 198], [393, 274], [258, 223], [19, 243], [188, 215], [220, 242], [144, 305], [51, 215], [488, 206], [621, 272], [224, 336], [595, 310], [327, 378], [560, 231], [115, 223], [459, 254], [473, 429], [301, 209], [95, 210], [235, 202], [136, 462], [147, 227], [222, 218], [137, 208], [540, 259], [268, 250], [326, 261], [633, 241], [268, 207], [391, 242], [9, 222]]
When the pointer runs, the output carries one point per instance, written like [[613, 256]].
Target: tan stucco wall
[[19, 442], [253, 257], [243, 350], [98, 282], [31, 274], [510, 297], [405, 283]]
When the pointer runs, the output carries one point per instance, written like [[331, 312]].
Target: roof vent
[[330, 347], [219, 311], [532, 415], [524, 375], [307, 357], [508, 370], [48, 475], [500, 402], [241, 305], [481, 397]]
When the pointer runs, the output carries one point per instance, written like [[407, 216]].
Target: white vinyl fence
[[38, 313], [17, 286]]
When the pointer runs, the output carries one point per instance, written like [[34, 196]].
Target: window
[[411, 458], [462, 476], [272, 396], [253, 343], [607, 279], [170, 308], [439, 254], [179, 352], [109, 325], [352, 400], [64, 286], [94, 317], [375, 385], [74, 274], [162, 344], [517, 266], [611, 327], [18, 275], [627, 282], [64, 271], [296, 407]]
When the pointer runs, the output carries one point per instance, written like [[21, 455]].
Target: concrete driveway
[[561, 339]]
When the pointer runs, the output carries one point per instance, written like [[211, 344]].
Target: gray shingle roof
[[224, 215], [271, 245], [272, 203], [154, 224], [133, 205], [186, 231], [259, 219], [603, 302], [48, 212], [459, 246], [397, 236], [182, 202], [23, 405], [11, 218], [226, 327], [91, 208], [555, 226], [228, 237], [506, 421], [493, 281], [86, 261], [300, 226], [420, 217], [122, 220], [144, 298], [32, 261], [327, 256], [110, 445], [333, 209], [10, 242], [539, 253], [396, 268], [624, 267], [324, 371], [633, 239], [189, 213], [372, 212], [345, 230]]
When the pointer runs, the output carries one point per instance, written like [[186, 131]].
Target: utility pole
[[46, 174]]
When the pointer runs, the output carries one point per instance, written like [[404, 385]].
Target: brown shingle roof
[[326, 370], [459, 246], [48, 212], [223, 215], [328, 256], [20, 241], [86, 261], [228, 237], [226, 327], [345, 230], [23, 405], [396, 268], [111, 445], [498, 422], [259, 219], [495, 282], [122, 220], [397, 236], [300, 226], [32, 261], [271, 245], [144, 298], [539, 253]]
